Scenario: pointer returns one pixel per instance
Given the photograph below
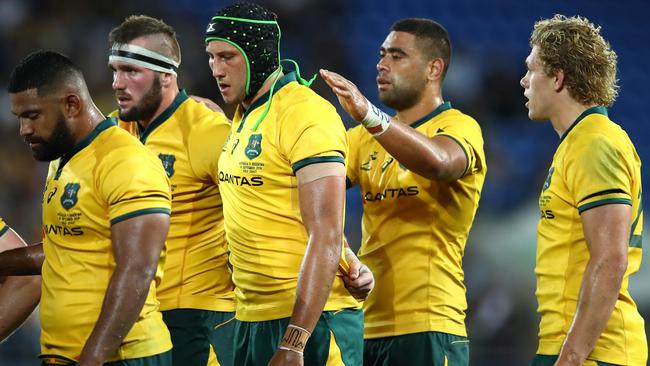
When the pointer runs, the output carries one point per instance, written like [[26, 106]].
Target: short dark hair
[[136, 26], [431, 38], [44, 71]]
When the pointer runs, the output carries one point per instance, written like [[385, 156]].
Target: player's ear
[[435, 68], [71, 105], [166, 79], [558, 83]]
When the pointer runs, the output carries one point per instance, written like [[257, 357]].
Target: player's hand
[[208, 103], [286, 358], [359, 281], [348, 94]]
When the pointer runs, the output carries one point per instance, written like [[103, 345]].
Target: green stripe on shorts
[[257, 342]]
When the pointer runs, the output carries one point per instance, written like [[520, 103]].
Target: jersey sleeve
[[132, 182], [597, 173], [467, 134], [3, 227], [352, 171], [205, 143], [313, 133]]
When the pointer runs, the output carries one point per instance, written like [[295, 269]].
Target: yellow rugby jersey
[[595, 164], [187, 138], [264, 227], [108, 177], [3, 227], [414, 230]]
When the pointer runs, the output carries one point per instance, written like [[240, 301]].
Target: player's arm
[[137, 245], [607, 232], [438, 157], [21, 261], [19, 295], [321, 192]]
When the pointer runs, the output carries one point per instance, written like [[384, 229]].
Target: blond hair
[[575, 46]]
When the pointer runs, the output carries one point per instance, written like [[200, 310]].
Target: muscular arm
[[439, 157], [607, 232], [137, 245], [322, 195], [21, 260], [18, 295]]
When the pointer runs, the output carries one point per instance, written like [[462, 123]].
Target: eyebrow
[[393, 50], [25, 112]]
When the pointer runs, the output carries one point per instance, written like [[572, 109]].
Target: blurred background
[[490, 43]]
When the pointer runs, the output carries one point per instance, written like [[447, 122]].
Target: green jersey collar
[[105, 124], [593, 110], [441, 108], [180, 98]]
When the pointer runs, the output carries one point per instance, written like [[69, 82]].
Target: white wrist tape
[[375, 121]]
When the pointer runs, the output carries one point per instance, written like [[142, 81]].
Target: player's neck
[[423, 107], [565, 114], [87, 122], [265, 88], [168, 96]]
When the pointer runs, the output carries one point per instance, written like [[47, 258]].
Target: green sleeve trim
[[462, 148], [145, 211], [636, 241], [606, 201], [4, 230], [319, 159], [602, 193]]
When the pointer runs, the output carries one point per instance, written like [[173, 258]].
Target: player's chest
[[174, 158], [70, 204], [253, 153], [555, 202]]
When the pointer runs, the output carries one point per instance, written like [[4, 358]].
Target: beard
[[60, 142], [400, 96], [145, 110]]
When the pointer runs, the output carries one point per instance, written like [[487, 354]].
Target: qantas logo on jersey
[[239, 180], [390, 193], [62, 230]]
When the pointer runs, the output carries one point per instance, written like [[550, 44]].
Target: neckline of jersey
[[103, 125], [439, 109], [286, 79], [180, 98], [593, 110]]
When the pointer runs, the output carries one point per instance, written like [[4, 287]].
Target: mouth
[[383, 83], [223, 88], [123, 101], [33, 144]]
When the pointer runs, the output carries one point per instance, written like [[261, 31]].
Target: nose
[[118, 81], [26, 127], [217, 72], [524, 81], [382, 65]]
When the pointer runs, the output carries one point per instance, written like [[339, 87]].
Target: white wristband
[[375, 121]]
